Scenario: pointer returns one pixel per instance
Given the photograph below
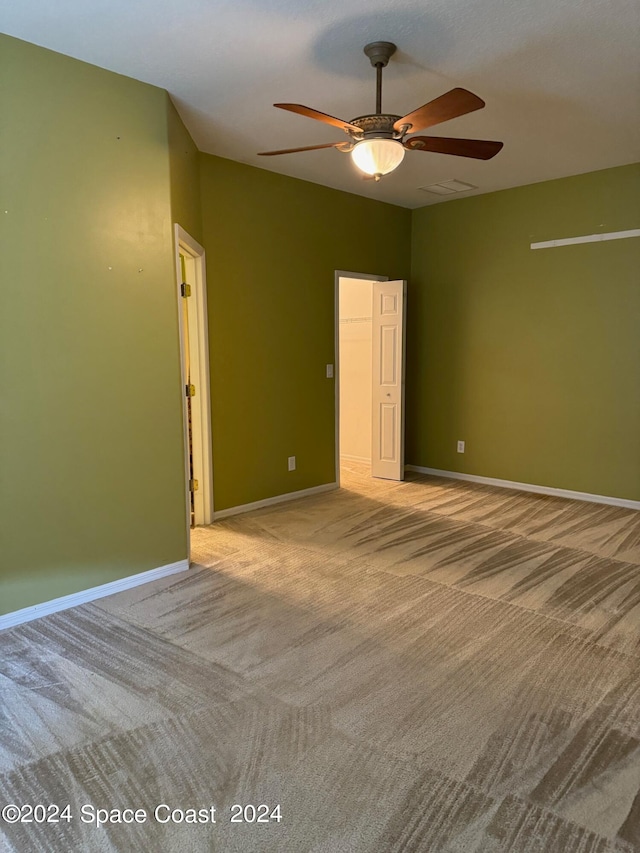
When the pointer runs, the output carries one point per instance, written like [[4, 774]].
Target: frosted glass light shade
[[377, 156]]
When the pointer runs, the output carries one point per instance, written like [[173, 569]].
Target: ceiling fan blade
[[457, 102], [307, 111], [306, 148], [479, 149]]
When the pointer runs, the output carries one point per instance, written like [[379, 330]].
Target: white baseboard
[[278, 499], [348, 458], [85, 595], [528, 487]]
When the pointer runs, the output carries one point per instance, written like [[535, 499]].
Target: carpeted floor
[[427, 666]]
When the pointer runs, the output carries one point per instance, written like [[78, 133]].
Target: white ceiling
[[561, 78]]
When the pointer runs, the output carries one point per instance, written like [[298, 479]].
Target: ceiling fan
[[377, 142]]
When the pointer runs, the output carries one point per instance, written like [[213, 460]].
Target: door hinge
[[185, 289], [193, 485], [190, 390]]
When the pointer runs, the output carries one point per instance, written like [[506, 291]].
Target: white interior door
[[387, 450]]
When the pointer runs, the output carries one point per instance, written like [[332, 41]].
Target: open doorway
[[194, 357], [370, 335]]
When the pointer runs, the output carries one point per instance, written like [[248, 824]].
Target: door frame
[[199, 353], [336, 370]]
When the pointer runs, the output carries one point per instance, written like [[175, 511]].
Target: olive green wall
[[531, 357], [273, 244], [91, 457], [184, 175]]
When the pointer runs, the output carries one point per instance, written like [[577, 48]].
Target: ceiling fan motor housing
[[379, 126]]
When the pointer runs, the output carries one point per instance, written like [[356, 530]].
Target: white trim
[[27, 614], [278, 499], [348, 458], [194, 252], [336, 347], [528, 487], [183, 381], [588, 238]]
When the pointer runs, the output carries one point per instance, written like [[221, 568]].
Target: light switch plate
[[329, 371]]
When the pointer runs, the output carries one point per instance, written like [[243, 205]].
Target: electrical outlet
[[291, 463], [329, 371], [461, 447]]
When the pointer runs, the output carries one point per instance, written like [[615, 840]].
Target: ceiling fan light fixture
[[377, 156]]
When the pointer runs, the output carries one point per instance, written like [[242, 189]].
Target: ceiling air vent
[[448, 188]]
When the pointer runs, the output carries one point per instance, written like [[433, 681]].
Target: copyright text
[[162, 813]]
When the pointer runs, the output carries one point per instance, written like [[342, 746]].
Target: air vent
[[449, 188]]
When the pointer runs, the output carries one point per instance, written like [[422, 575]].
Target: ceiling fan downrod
[[379, 53]]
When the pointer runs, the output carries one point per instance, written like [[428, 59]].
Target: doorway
[[370, 333], [194, 363]]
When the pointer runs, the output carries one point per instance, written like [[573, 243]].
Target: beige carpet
[[427, 666]]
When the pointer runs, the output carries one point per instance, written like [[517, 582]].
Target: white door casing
[[387, 446], [340, 274], [198, 340]]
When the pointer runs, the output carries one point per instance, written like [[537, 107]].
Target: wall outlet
[[329, 371], [461, 447], [291, 463]]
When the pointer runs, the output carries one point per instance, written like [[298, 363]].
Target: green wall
[[273, 244], [91, 457], [184, 174], [531, 357]]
